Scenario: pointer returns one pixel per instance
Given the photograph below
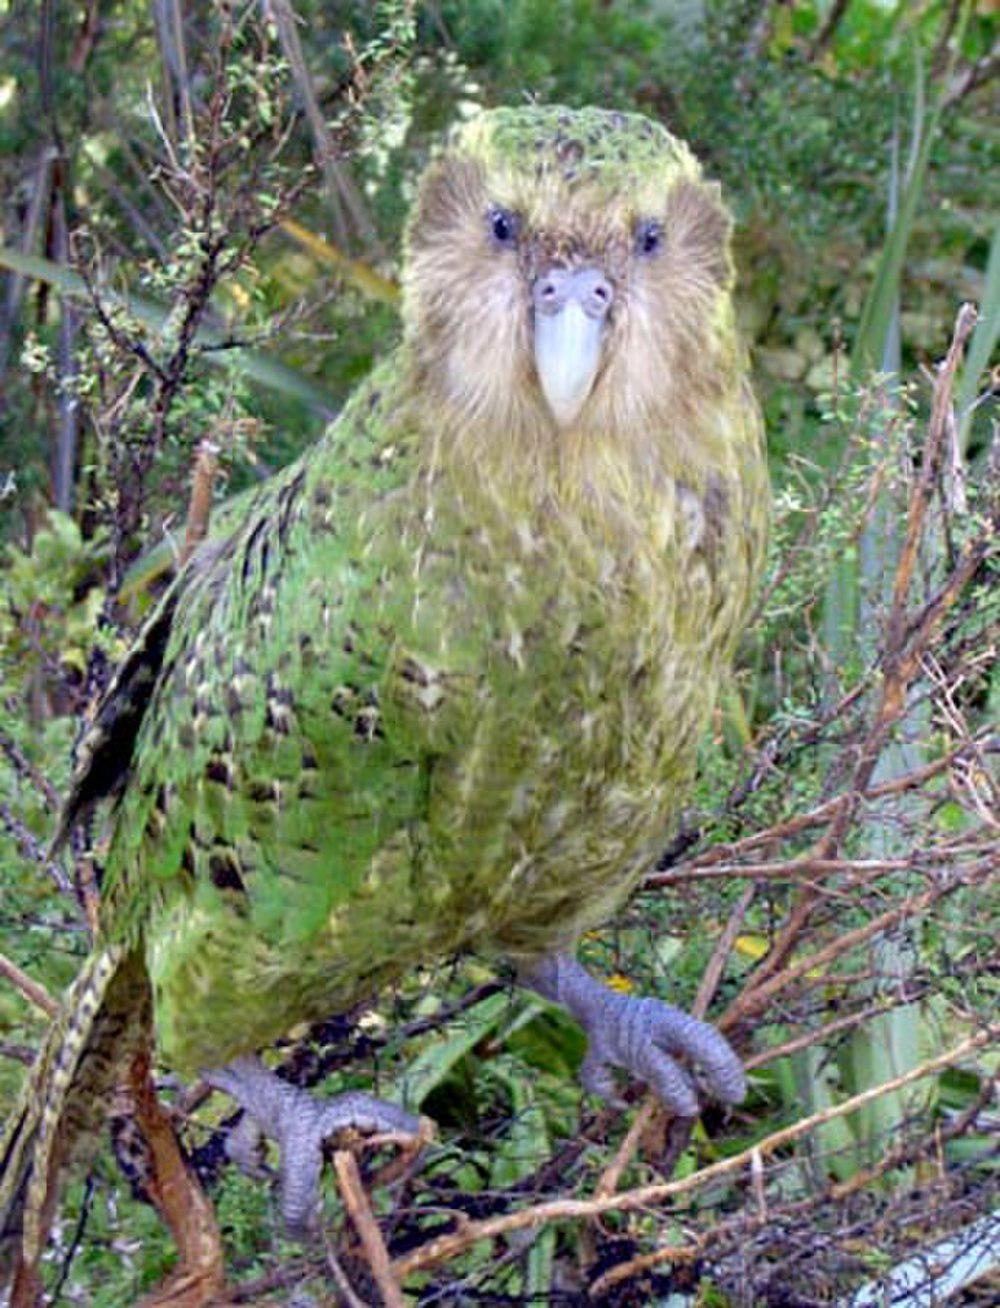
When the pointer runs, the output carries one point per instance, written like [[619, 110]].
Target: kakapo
[[440, 685]]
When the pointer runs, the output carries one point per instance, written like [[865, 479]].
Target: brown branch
[[443, 1247], [357, 1205], [827, 31], [31, 989], [789, 869], [340, 1277], [753, 1001], [939, 57], [971, 77], [340, 188], [720, 955], [86, 37], [922, 493], [807, 868], [38, 208], [24, 767], [178, 1197], [740, 1225], [68, 429], [18, 1053], [32, 849], [899, 663], [815, 817], [822, 1034]]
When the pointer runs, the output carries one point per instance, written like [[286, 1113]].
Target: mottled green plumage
[[442, 688]]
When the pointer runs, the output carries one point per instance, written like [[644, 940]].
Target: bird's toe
[[301, 1125]]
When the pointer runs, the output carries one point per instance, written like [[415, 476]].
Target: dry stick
[[898, 665], [789, 869], [31, 848], [720, 955], [24, 767], [356, 1202], [612, 1174], [31, 989], [826, 32], [794, 869], [924, 490], [815, 817], [823, 1033], [972, 76], [38, 208], [178, 1197], [751, 1002], [742, 1226], [444, 1247], [18, 1053]]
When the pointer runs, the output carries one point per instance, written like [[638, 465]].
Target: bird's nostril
[[598, 299], [550, 292]]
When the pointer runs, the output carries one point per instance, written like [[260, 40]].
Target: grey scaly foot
[[300, 1124], [641, 1036]]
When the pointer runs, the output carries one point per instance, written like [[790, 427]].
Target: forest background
[[201, 217]]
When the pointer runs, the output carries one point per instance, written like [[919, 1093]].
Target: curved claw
[[301, 1124], [643, 1037]]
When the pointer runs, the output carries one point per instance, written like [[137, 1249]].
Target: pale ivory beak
[[570, 317]]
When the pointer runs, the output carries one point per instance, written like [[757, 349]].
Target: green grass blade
[[981, 346], [875, 326]]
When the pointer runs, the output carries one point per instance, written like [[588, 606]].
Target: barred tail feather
[[104, 1019]]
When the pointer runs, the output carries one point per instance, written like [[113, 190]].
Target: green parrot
[[441, 686]]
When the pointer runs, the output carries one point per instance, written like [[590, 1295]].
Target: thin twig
[[971, 77], [32, 848], [798, 869], [340, 188], [822, 1034], [444, 1247], [900, 658], [741, 1225], [816, 817], [18, 1053], [31, 989], [753, 1001], [341, 1279], [24, 767]]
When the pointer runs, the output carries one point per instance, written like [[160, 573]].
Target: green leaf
[[430, 1068]]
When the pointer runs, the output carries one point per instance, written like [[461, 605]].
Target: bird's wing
[[260, 746], [104, 751]]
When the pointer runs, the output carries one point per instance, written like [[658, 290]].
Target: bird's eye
[[503, 226], [648, 237]]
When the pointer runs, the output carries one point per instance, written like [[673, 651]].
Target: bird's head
[[568, 274]]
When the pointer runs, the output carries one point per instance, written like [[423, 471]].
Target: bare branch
[[31, 989], [444, 1247]]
